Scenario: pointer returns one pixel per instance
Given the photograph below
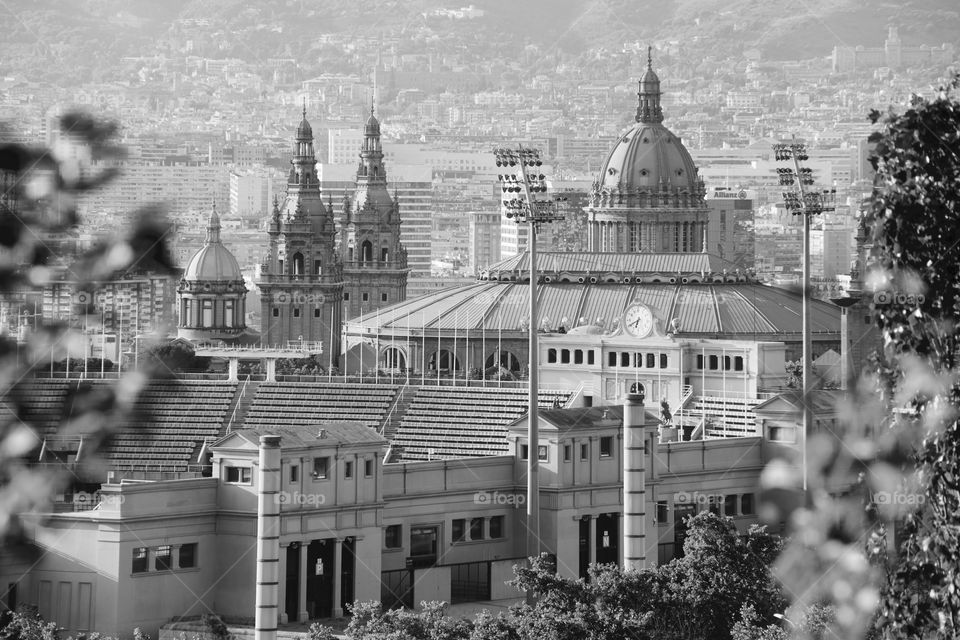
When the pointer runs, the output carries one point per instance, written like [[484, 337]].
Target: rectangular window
[[276, 312], [590, 357], [663, 361], [348, 469], [368, 468], [746, 504], [476, 528], [584, 452], [346, 296], [714, 504], [163, 558], [365, 297], [663, 514], [782, 434], [726, 363], [321, 468], [140, 560], [606, 446], [542, 453], [238, 475], [294, 473], [496, 527], [296, 312], [565, 356], [457, 530], [188, 555], [392, 536], [738, 363], [578, 356], [612, 359], [714, 363], [700, 361], [524, 451], [551, 356], [316, 313], [624, 359], [567, 453], [651, 360], [383, 297], [730, 505]]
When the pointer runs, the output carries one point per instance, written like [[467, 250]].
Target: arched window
[[207, 319], [504, 359], [228, 315], [393, 358], [318, 267], [448, 361], [350, 254], [384, 254], [298, 264], [366, 252]]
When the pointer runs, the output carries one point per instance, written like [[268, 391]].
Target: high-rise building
[[730, 227], [250, 193], [484, 240], [374, 260], [301, 280]]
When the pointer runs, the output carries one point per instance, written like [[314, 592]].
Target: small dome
[[373, 125], [305, 130], [649, 80], [213, 263]]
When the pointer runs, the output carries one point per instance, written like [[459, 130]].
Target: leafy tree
[[26, 623], [172, 357]]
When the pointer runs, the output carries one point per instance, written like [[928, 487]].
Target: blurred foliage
[[876, 535], [38, 208]]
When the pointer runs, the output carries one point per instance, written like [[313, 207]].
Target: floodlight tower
[[524, 201], [805, 203]]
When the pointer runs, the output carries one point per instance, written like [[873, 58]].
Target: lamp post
[[805, 203], [521, 203]]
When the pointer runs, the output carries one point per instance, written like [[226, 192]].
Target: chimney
[[634, 483], [268, 540]]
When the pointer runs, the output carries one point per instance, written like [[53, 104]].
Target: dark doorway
[[423, 547], [347, 571], [680, 514], [584, 546], [608, 539], [292, 578], [320, 573]]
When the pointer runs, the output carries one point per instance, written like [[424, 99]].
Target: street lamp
[[522, 184], [805, 203]]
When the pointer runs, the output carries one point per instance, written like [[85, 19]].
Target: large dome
[[646, 156], [213, 263]]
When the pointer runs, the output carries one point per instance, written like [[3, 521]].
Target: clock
[[638, 320]]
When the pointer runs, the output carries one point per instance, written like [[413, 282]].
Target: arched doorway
[[366, 252], [298, 264], [393, 358], [504, 359]]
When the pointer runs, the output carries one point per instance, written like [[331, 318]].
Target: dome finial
[[648, 94], [304, 108], [650, 57], [213, 226]]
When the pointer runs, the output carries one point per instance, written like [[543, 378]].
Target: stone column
[[233, 370], [268, 539], [271, 370], [592, 528], [282, 587], [337, 576], [302, 615], [634, 484]]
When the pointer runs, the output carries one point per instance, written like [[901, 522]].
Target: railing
[[393, 408], [236, 407]]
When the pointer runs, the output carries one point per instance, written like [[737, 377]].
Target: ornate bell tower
[[374, 262], [301, 282]]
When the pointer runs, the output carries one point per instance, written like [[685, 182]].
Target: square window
[[188, 555], [567, 453], [294, 473], [606, 446], [368, 468], [140, 560], [730, 505], [496, 527], [163, 558], [348, 469], [238, 475], [392, 536], [663, 513], [321, 467], [458, 530], [476, 528], [584, 452]]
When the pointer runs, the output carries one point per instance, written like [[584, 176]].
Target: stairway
[[401, 403], [238, 412]]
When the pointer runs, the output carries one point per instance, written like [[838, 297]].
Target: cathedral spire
[[648, 94]]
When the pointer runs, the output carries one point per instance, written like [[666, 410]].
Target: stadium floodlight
[[524, 201], [805, 203]]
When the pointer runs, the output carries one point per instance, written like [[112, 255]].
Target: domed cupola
[[211, 296], [648, 195]]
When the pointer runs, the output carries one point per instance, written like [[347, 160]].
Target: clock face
[[638, 320]]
